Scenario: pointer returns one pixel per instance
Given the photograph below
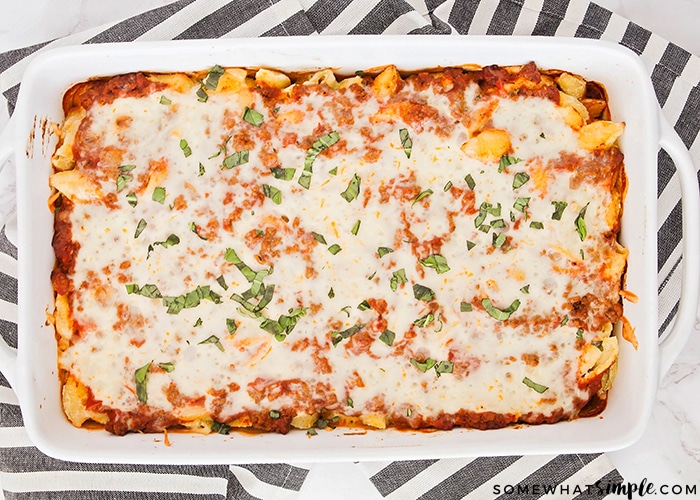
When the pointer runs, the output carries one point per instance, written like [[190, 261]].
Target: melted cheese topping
[[411, 278]]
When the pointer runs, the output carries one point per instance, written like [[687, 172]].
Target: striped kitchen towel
[[675, 73]]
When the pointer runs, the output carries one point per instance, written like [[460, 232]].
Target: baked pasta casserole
[[249, 248]]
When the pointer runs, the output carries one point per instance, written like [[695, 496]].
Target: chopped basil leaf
[[170, 241], [507, 161], [222, 149], [159, 195], [356, 227], [583, 255], [131, 199], [213, 340], [319, 145], [346, 310], [197, 323], [398, 278], [349, 402], [364, 306], [542, 135], [598, 344], [220, 428], [382, 251], [319, 238], [499, 314], [337, 337], [169, 367], [238, 158], [465, 307], [274, 414], [253, 117], [559, 207], [387, 336], [213, 76], [141, 378], [311, 432], [122, 180], [165, 100], [231, 326], [565, 320], [149, 290], [285, 174], [521, 204], [140, 227], [423, 366], [353, 189], [406, 141], [437, 262], [334, 249], [422, 195], [202, 95], [470, 181], [470, 245], [520, 179], [536, 225], [579, 333], [423, 293], [284, 324], [305, 179], [485, 228], [193, 228], [535, 386], [190, 299], [186, 150], [580, 223], [425, 320], [126, 168], [273, 193], [498, 239], [498, 223], [444, 367], [331, 293], [447, 186], [222, 282], [201, 170], [525, 289], [333, 171], [232, 258]]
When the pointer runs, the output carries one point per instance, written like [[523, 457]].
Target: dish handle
[[8, 355], [671, 344]]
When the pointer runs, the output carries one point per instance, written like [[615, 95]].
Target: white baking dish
[[32, 368]]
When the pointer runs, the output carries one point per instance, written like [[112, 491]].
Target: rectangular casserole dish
[[33, 372]]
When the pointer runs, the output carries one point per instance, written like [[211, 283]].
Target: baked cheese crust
[[248, 248]]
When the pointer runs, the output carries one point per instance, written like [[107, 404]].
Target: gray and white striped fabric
[[675, 73]]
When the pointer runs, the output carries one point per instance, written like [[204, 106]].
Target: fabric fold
[[26, 473]]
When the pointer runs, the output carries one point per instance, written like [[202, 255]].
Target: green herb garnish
[[398, 278], [500, 314], [406, 141], [159, 195], [507, 161], [559, 207], [141, 378], [520, 179], [437, 262], [423, 293], [535, 386], [253, 117], [273, 193], [186, 150], [353, 189], [387, 336]]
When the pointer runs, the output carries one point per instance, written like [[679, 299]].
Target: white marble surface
[[669, 451]]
